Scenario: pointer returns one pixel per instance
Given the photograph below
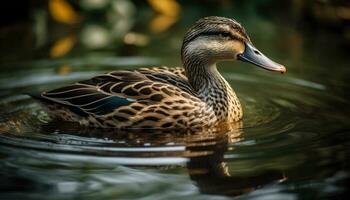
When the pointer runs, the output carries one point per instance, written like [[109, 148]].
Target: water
[[293, 143]]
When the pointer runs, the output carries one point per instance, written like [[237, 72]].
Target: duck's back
[[143, 98]]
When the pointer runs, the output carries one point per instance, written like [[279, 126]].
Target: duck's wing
[[133, 90], [176, 71], [173, 76]]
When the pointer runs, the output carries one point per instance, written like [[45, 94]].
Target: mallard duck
[[190, 97]]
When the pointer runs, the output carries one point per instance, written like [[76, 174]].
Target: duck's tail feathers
[[37, 96], [55, 109]]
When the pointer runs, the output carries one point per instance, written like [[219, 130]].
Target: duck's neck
[[213, 89]]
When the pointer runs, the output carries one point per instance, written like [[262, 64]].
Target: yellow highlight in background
[[62, 46], [168, 12], [63, 12]]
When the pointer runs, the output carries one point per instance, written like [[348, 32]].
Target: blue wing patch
[[107, 105]]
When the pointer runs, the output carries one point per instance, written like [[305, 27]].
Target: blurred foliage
[[56, 28]]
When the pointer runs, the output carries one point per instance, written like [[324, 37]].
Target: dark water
[[294, 143]]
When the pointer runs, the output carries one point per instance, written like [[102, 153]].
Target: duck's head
[[213, 39]]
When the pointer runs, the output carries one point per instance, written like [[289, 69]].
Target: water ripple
[[284, 129]]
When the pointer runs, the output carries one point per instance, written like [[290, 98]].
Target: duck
[[189, 97]]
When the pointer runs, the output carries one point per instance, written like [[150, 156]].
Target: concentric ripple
[[288, 129]]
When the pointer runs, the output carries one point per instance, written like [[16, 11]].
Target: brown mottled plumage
[[192, 97]]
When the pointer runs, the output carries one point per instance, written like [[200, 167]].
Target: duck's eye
[[225, 34]]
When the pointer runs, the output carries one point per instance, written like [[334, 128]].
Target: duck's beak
[[254, 56]]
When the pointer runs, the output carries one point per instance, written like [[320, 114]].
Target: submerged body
[[192, 97]]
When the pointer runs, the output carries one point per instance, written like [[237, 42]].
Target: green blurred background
[[58, 28]]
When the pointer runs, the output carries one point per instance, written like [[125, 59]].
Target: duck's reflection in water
[[213, 175], [204, 151]]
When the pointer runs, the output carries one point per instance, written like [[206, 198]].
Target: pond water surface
[[293, 144]]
